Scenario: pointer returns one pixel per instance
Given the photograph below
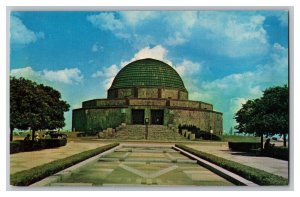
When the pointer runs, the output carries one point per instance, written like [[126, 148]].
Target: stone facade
[[205, 120], [103, 113], [92, 120], [146, 89]]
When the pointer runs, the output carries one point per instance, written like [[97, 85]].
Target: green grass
[[27, 177], [257, 176], [232, 138]]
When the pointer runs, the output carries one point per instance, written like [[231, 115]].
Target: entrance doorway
[[138, 116], [157, 117]]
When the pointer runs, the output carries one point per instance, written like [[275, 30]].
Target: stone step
[[155, 132]]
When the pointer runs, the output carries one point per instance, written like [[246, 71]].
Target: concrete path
[[26, 160], [268, 164]]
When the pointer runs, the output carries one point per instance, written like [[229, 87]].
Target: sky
[[223, 57]]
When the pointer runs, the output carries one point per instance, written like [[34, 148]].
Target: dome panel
[[148, 73]]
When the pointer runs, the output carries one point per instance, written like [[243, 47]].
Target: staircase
[[155, 132]]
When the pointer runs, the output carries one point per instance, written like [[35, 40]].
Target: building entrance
[[157, 117], [138, 116]]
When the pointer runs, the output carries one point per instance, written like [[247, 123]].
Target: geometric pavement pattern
[[140, 166]]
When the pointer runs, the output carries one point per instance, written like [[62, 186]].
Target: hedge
[[257, 176], [277, 152], [15, 147], [199, 134], [243, 146], [30, 176], [21, 145]]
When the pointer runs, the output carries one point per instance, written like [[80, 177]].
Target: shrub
[[243, 146], [27, 177], [21, 145], [15, 147], [199, 133], [277, 152], [257, 176], [51, 143]]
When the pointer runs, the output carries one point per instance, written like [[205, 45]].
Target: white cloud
[[107, 75], [26, 72], [105, 21], [236, 103], [99, 73], [134, 18], [176, 39], [66, 76], [96, 48], [157, 52], [284, 19], [20, 34], [107, 72], [184, 68], [188, 68], [234, 35], [184, 20], [228, 93]]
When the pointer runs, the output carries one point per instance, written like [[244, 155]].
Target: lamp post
[[146, 128]]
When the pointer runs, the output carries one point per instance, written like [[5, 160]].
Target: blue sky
[[224, 57]]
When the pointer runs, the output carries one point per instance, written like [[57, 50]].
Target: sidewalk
[[26, 160], [268, 164]]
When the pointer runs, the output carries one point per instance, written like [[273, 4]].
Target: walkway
[[142, 165], [26, 160], [268, 164]]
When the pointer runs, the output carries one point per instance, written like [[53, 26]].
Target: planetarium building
[[146, 91]]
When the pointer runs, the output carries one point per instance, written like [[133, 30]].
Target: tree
[[275, 105], [266, 115], [35, 106]]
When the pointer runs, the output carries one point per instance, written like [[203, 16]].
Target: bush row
[[199, 134], [30, 176], [277, 152], [21, 145], [257, 176], [243, 146]]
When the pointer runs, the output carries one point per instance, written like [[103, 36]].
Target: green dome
[[148, 73]]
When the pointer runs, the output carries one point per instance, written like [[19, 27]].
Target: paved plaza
[[268, 164], [137, 163], [143, 165], [26, 160]]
